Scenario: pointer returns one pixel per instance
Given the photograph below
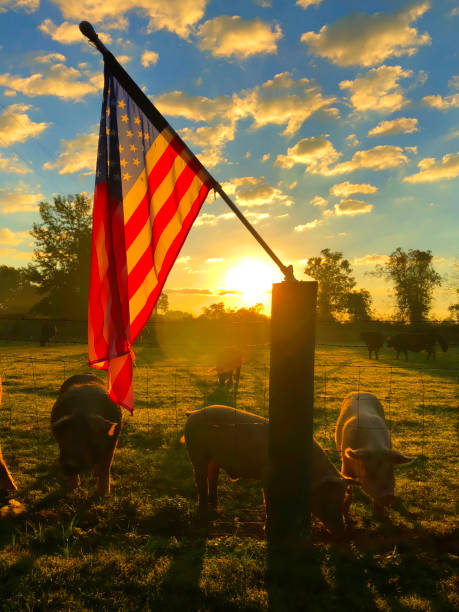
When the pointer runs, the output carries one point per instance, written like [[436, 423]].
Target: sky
[[330, 124]]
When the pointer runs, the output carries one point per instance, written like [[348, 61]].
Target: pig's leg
[[212, 475], [102, 472], [347, 503], [200, 476]]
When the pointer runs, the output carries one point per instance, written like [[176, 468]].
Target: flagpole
[[150, 111]]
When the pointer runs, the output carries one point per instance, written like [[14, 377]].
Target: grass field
[[142, 547]]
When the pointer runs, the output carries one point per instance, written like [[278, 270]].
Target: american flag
[[149, 190]]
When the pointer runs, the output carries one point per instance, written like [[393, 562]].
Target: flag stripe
[[142, 317]]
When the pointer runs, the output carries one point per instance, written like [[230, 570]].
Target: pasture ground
[[142, 548]]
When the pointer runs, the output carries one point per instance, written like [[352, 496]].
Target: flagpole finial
[[88, 30]]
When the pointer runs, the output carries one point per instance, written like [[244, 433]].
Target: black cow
[[373, 340], [417, 342]]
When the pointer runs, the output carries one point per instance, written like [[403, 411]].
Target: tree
[[162, 303], [359, 305], [334, 275], [414, 279], [62, 257], [17, 294]]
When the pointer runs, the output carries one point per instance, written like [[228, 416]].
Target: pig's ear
[[358, 453], [400, 458], [98, 424], [60, 423]]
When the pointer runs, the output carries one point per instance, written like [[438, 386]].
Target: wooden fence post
[[291, 395]]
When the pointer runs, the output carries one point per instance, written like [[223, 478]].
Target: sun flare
[[253, 279]]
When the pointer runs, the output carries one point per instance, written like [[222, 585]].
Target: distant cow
[[48, 333], [6, 480], [417, 342], [229, 363], [373, 340], [86, 424]]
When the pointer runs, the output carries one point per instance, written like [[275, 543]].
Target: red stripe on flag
[[172, 253], [146, 262], [120, 381], [142, 212]]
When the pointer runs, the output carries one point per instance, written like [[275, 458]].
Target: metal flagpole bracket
[[87, 30]]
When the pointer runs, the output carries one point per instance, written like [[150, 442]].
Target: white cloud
[[76, 154], [28, 6], [306, 3], [195, 108], [403, 125], [315, 152], [368, 40], [226, 36], [431, 170], [382, 157], [20, 199], [13, 164], [352, 208], [352, 140], [49, 58], [346, 189], [57, 80], [177, 16], [378, 90], [209, 219], [149, 58], [16, 125], [212, 139], [252, 191], [373, 259], [440, 102], [308, 226], [66, 33], [12, 238], [318, 201], [255, 217]]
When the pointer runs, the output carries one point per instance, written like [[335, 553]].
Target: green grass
[[143, 548]]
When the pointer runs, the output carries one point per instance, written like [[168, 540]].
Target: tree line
[[56, 283]]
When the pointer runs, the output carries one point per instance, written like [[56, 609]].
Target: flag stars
[[126, 176], [135, 161], [121, 148], [124, 118], [137, 121], [133, 148], [122, 104], [123, 162], [108, 112], [146, 136], [140, 133], [129, 134]]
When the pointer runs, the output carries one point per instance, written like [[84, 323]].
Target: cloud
[[318, 201], [373, 259], [315, 152], [378, 90], [306, 3], [403, 125], [12, 238], [226, 36], [431, 170], [368, 40], [49, 58], [20, 199], [441, 103], [282, 100], [28, 6], [57, 80], [346, 189], [309, 226], [382, 157], [76, 154], [214, 260], [68, 33], [252, 191], [178, 16], [214, 292], [352, 208], [352, 140], [212, 139], [148, 58], [266, 157], [209, 219], [14, 165], [16, 125]]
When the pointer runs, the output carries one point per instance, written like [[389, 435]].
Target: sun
[[253, 278]]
